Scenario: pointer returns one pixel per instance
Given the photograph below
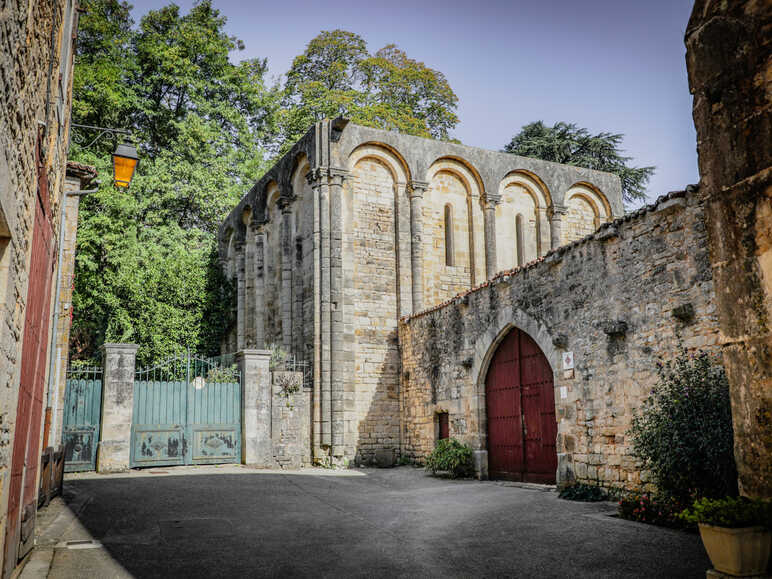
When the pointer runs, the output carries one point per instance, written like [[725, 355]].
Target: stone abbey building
[[356, 228]]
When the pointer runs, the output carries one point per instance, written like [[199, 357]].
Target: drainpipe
[[53, 368]]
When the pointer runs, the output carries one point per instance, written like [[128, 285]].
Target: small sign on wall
[[563, 392], [568, 361]]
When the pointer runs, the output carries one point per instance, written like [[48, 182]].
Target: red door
[[520, 402], [22, 499]]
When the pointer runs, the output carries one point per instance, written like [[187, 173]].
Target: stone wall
[[291, 420], [35, 67], [618, 299], [730, 75]]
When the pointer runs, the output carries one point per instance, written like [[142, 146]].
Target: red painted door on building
[[22, 499], [520, 404]]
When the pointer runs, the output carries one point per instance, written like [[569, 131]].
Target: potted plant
[[735, 532]]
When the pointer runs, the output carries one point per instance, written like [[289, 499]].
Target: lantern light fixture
[[125, 160]]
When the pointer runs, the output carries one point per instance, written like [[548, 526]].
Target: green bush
[[683, 431], [654, 510], [584, 493], [452, 457], [730, 512]]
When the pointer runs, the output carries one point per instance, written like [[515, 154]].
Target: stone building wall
[[617, 299], [728, 46], [35, 79], [346, 233]]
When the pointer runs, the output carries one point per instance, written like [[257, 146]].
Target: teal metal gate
[[80, 423], [187, 410]]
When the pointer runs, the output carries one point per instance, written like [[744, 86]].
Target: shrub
[[452, 457], [583, 492], [683, 431], [730, 512], [654, 510]]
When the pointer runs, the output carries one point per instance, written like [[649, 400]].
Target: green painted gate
[[80, 423], [187, 410]]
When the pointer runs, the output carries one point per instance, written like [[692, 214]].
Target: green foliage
[[654, 510], [452, 457], [683, 431], [146, 269], [732, 512], [278, 357], [336, 76], [223, 374], [568, 144], [583, 493]]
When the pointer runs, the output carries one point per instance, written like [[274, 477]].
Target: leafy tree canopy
[[568, 144], [336, 76], [145, 267]]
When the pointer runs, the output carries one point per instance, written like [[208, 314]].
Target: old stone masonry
[[376, 257]]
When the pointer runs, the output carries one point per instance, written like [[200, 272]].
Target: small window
[[444, 428], [519, 239], [449, 236]]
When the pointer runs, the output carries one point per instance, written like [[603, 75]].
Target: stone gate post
[[256, 448], [117, 407]]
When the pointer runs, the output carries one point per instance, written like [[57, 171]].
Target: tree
[[683, 432], [568, 144], [146, 266], [336, 76]]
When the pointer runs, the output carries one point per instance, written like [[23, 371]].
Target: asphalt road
[[367, 523]]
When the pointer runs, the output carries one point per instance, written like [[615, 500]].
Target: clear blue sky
[[607, 65]]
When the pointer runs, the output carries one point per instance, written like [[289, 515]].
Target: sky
[[606, 65]]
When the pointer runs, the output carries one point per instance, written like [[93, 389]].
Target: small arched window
[[519, 239], [449, 236]]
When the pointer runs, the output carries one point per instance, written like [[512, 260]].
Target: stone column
[[285, 204], [313, 180], [117, 407], [337, 344], [491, 266], [556, 226], [259, 286], [249, 287], [241, 308], [417, 189], [256, 444], [324, 301]]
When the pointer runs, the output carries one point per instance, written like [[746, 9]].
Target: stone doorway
[[520, 405]]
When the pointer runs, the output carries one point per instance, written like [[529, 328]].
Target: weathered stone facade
[[638, 289], [356, 227], [730, 75], [35, 80]]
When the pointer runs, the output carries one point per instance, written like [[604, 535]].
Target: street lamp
[[125, 161], [125, 156]]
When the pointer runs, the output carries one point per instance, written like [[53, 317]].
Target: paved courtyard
[[233, 522]]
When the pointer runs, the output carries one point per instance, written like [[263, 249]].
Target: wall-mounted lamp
[[125, 160]]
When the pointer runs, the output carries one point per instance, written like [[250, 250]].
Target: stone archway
[[486, 347], [520, 410]]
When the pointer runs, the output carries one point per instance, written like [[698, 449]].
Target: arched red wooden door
[[520, 401]]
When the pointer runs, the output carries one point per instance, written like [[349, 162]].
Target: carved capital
[[557, 211], [418, 188], [338, 174], [491, 200], [285, 203]]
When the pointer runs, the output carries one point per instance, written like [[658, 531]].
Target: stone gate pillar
[[256, 446], [417, 189], [117, 407], [491, 200]]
